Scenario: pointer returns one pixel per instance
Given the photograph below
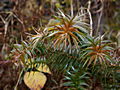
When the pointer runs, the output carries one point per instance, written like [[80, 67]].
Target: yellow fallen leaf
[[44, 68], [35, 80]]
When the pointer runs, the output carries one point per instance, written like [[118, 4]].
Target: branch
[[90, 16]]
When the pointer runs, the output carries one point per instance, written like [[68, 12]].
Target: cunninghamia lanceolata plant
[[96, 52], [66, 31]]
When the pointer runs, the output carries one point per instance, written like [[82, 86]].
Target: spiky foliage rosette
[[96, 52], [67, 31]]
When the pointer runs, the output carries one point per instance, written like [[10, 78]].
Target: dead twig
[[90, 17]]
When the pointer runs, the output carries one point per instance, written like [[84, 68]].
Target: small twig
[[71, 5], [90, 16], [6, 23], [2, 19], [15, 88], [100, 16], [19, 21], [6, 28], [10, 14]]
